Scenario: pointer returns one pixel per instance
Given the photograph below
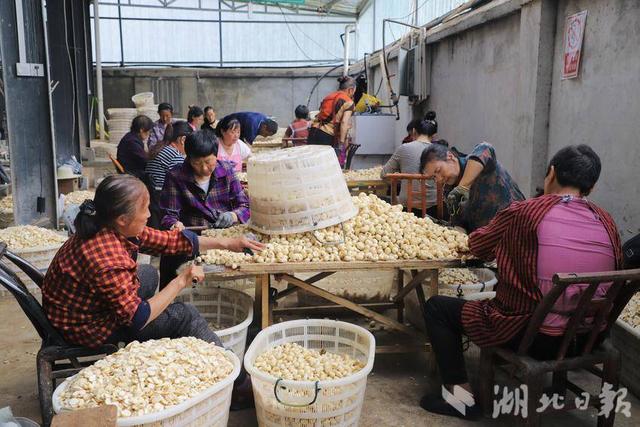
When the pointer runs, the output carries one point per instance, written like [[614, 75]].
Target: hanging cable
[[294, 37]]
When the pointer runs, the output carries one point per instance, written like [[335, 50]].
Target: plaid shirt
[[91, 287], [182, 199], [511, 238]]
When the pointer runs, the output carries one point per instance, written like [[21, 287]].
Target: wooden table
[[421, 270], [379, 187]]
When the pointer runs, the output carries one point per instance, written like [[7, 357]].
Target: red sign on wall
[[573, 35]]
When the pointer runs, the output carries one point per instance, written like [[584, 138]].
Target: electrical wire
[[292, 36], [316, 43], [413, 11]]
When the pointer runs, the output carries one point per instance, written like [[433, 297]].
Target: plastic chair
[[416, 199], [604, 312], [351, 151], [54, 349]]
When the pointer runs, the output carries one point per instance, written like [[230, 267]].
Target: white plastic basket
[[142, 99], [230, 310], [40, 258], [480, 296], [487, 281], [209, 408], [122, 113], [311, 403], [150, 111], [413, 311], [312, 193]]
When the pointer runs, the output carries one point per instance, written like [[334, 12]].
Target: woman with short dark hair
[[210, 121], [203, 191], [299, 128], [195, 117], [477, 185], [132, 151], [230, 147], [93, 292], [168, 154], [165, 113]]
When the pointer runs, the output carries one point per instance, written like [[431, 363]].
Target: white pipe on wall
[[96, 20], [347, 29]]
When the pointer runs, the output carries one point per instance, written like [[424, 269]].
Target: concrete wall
[[602, 107], [272, 92], [495, 76], [473, 76]]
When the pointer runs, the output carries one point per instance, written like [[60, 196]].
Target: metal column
[[30, 134]]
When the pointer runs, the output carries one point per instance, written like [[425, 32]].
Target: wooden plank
[[433, 283], [400, 303], [333, 307], [416, 280], [367, 183], [350, 305], [293, 289], [299, 267]]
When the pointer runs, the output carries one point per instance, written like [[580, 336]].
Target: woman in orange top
[[331, 125]]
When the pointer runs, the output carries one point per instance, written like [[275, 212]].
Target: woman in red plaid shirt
[[95, 292]]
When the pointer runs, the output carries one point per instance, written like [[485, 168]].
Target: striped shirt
[[406, 159], [167, 159], [511, 239]]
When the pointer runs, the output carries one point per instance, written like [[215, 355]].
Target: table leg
[[257, 302], [400, 303], [433, 282], [266, 303]]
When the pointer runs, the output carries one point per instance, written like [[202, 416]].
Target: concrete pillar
[[537, 32]]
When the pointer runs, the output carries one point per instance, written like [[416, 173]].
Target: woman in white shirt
[[232, 148]]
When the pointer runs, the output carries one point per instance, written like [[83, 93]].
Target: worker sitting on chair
[[132, 149], [481, 185], [203, 191], [195, 117], [165, 111], [406, 159], [531, 241], [94, 292], [251, 125], [299, 128]]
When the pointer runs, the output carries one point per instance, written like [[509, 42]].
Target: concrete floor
[[393, 388]]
